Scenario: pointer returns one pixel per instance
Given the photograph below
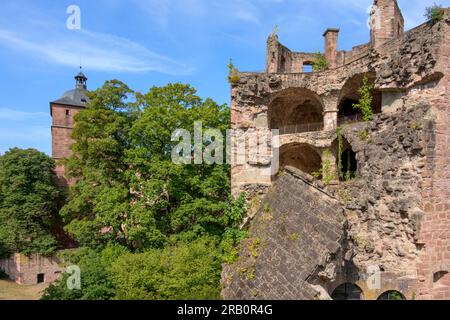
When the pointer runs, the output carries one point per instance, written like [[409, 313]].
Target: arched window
[[347, 291]]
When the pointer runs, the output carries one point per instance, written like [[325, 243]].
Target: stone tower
[[63, 112], [386, 21]]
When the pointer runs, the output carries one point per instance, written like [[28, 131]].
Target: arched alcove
[[347, 158], [301, 156], [296, 110], [350, 96], [347, 291], [391, 295]]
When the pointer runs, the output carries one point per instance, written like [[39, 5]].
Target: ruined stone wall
[[296, 235], [383, 212], [25, 269], [383, 203], [434, 267]]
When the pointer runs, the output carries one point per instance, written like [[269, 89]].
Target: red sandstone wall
[[24, 270], [436, 193]]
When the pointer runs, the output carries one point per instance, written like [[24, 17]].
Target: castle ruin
[[384, 233]]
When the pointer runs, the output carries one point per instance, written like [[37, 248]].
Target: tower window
[[67, 112]]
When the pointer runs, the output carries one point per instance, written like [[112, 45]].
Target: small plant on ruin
[[276, 29], [434, 14], [235, 211], [415, 126], [365, 102], [320, 63], [364, 135], [233, 74], [326, 173], [294, 236], [254, 247], [340, 134]]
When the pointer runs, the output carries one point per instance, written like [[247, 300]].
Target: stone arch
[[392, 295], [349, 95], [296, 110], [347, 291], [301, 156]]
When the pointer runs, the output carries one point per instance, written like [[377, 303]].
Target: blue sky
[[153, 42]]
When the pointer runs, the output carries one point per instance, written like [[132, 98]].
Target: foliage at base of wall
[[185, 271]]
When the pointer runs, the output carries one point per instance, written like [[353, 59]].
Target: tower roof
[[78, 96]]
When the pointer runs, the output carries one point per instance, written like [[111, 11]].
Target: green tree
[[29, 201], [128, 189]]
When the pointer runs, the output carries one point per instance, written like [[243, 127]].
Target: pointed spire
[[81, 80]]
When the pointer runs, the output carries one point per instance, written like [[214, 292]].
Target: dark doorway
[[349, 164], [41, 278], [347, 291], [392, 295]]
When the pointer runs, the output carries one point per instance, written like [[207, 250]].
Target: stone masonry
[[33, 269], [396, 207]]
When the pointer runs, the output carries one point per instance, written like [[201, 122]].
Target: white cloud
[[102, 52]]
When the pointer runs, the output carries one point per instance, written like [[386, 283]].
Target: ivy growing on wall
[[326, 173], [340, 135], [365, 102]]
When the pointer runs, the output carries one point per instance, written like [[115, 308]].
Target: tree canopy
[[177, 223], [29, 201]]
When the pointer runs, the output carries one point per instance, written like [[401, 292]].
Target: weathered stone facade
[[33, 269], [397, 208]]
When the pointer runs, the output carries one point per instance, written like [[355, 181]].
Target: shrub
[[233, 75], [434, 14], [320, 63]]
